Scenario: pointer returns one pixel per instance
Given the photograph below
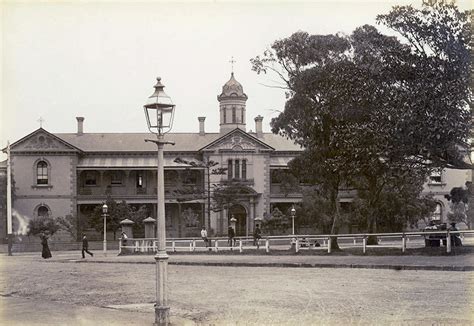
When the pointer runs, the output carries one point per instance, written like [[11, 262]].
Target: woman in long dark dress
[[46, 253]]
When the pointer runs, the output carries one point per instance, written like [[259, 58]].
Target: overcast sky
[[99, 60]]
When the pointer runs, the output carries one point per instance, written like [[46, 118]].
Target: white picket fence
[[298, 242]]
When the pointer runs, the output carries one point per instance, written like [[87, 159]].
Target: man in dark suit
[[85, 246]]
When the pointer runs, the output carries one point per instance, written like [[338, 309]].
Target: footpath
[[408, 262]]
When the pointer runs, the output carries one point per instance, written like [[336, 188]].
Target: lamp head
[[159, 110]]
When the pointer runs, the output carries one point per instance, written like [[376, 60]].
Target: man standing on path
[[85, 246]]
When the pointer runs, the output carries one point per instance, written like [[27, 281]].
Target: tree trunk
[[372, 239], [334, 228]]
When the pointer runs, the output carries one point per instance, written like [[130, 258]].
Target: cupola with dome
[[232, 106]]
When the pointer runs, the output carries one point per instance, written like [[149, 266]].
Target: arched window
[[42, 173], [244, 169], [437, 213], [233, 115], [43, 211]]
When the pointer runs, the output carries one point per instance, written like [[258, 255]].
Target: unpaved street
[[254, 296]]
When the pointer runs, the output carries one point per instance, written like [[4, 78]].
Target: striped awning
[[133, 162], [280, 161]]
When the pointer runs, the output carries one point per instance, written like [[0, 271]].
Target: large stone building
[[61, 174]]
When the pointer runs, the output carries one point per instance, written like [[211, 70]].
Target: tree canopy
[[367, 107]]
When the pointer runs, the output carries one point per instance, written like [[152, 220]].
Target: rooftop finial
[[232, 61], [40, 120]]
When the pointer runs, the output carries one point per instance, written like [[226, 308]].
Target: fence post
[[190, 245], [364, 244], [324, 242], [173, 246], [194, 245], [267, 245], [404, 242], [355, 242], [297, 245], [329, 245], [448, 242], [240, 245], [120, 247], [216, 244]]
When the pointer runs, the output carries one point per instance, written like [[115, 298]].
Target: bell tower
[[232, 106]]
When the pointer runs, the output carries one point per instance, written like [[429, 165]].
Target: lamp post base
[[162, 316]]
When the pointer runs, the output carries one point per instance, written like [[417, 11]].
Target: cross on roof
[[232, 61], [41, 120]]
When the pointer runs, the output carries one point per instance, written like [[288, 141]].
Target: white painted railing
[[298, 242]]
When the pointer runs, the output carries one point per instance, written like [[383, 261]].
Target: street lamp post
[[159, 112], [293, 214], [104, 214]]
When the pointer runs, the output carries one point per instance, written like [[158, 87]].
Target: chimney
[[80, 122], [201, 126], [258, 126]]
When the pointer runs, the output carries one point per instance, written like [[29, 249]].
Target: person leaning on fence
[[204, 236], [123, 238], [231, 234], [257, 235], [455, 238]]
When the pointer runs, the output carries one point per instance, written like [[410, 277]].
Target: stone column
[[127, 227], [149, 227]]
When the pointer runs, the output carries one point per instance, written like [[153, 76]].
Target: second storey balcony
[[134, 184]]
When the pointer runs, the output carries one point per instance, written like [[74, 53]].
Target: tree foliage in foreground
[[43, 225], [368, 106]]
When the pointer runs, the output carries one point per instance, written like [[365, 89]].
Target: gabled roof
[[228, 139], [40, 139], [184, 142]]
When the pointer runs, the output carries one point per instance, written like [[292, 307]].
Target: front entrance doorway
[[240, 214]]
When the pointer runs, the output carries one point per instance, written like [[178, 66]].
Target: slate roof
[[135, 142]]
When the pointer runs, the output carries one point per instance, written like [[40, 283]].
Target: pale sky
[[100, 59]]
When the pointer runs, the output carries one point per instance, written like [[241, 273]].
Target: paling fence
[[401, 240]]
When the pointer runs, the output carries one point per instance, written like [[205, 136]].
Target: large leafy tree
[[117, 212], [366, 105], [185, 193]]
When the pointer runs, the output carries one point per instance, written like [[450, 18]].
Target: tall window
[[241, 115], [116, 178], [42, 173], [244, 169], [225, 114], [437, 213], [229, 169], [91, 178], [139, 180], [237, 169], [233, 115]]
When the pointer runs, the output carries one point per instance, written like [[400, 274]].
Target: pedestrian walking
[[231, 234], [45, 253], [204, 236], [257, 235], [85, 246]]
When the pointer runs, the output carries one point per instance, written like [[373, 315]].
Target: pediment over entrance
[[237, 140], [41, 140]]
